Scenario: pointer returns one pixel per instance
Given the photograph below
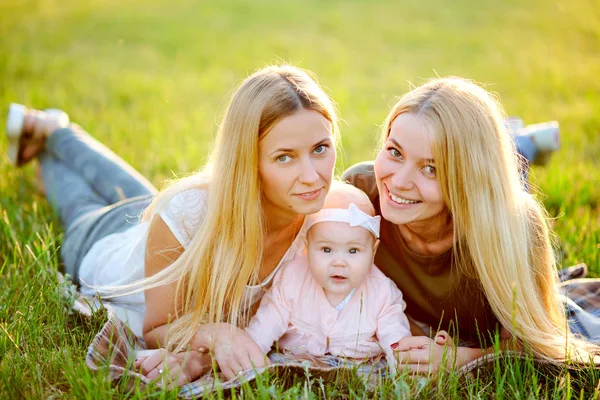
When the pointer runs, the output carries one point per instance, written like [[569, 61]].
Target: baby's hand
[[235, 351]]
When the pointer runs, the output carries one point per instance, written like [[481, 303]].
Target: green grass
[[151, 78]]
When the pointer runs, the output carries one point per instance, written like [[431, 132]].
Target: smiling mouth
[[401, 200], [312, 194]]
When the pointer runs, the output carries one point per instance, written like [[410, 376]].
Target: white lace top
[[118, 259]]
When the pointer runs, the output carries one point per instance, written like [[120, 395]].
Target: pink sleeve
[[392, 323], [273, 315]]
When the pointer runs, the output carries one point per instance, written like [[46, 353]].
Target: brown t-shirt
[[434, 292]]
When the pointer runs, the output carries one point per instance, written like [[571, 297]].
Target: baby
[[333, 299]]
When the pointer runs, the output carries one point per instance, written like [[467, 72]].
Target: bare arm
[[162, 249]]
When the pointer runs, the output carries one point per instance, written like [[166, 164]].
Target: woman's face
[[296, 161], [406, 176]]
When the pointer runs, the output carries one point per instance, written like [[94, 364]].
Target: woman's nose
[[403, 178], [308, 172]]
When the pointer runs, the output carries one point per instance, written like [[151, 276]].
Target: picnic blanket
[[114, 347]]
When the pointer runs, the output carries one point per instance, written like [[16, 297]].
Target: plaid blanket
[[114, 347]]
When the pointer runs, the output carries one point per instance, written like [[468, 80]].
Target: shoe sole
[[14, 126]]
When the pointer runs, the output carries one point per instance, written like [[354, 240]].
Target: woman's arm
[[415, 329], [233, 349], [162, 249], [425, 355]]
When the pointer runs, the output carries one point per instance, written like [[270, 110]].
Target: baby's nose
[[339, 262]]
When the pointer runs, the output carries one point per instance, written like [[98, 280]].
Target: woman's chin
[[307, 209], [304, 207], [397, 216]]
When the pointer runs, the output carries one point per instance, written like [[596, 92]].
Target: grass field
[[151, 78]]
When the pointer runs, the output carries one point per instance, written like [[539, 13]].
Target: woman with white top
[[208, 245]]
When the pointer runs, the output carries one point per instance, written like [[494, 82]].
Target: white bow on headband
[[352, 215]]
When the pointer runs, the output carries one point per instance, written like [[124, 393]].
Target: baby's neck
[[335, 299]]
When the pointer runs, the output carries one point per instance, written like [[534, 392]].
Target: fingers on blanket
[[160, 364], [233, 360]]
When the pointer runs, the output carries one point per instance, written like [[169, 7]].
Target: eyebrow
[[329, 241], [428, 160], [286, 150]]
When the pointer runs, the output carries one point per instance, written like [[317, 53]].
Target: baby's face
[[339, 256]]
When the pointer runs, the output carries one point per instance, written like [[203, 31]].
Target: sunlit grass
[[151, 79]]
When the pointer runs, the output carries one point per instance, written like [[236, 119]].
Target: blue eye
[[326, 250], [353, 251], [320, 149], [284, 159]]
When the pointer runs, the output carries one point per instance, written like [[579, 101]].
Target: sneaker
[[17, 138], [536, 142], [14, 126], [546, 137]]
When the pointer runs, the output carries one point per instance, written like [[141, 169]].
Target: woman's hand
[[173, 369], [235, 351], [424, 355]]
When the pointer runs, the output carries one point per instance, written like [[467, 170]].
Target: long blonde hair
[[226, 252], [501, 234]]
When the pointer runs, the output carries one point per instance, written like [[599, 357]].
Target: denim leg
[[526, 147], [68, 193], [527, 150], [106, 173], [94, 192], [95, 225]]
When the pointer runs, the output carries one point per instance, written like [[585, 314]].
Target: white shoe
[[14, 126], [545, 135], [15, 121]]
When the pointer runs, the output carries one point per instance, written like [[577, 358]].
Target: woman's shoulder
[[184, 212], [188, 205], [379, 283], [189, 198], [364, 170], [362, 175]]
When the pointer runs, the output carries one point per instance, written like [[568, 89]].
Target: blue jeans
[[527, 149], [94, 192]]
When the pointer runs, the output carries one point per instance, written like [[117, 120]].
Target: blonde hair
[[501, 234], [226, 252]]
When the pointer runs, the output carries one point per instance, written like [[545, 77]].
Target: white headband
[[352, 215]]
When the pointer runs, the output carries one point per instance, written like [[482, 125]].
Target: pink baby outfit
[[296, 312]]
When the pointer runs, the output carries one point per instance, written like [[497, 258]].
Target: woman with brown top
[[461, 237]]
